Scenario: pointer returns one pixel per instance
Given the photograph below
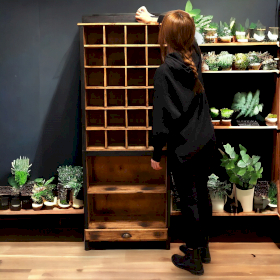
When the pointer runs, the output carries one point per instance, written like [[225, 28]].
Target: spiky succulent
[[225, 60], [241, 61]]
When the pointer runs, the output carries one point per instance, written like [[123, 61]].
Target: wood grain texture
[[65, 260]]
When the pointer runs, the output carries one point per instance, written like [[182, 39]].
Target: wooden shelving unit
[[126, 200], [55, 211]]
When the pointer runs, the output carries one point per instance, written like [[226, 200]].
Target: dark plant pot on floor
[[15, 203], [26, 202], [4, 202]]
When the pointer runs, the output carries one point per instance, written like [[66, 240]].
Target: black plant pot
[[26, 202], [4, 202], [15, 203], [257, 120], [231, 207]]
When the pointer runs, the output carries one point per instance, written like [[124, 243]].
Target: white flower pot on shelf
[[63, 206], [36, 206], [270, 121], [50, 204], [245, 197], [217, 203], [77, 203]]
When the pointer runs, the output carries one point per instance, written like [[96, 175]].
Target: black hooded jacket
[[180, 118]]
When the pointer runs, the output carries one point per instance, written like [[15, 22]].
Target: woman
[[181, 119]]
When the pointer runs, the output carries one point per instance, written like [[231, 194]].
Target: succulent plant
[[226, 113], [241, 61], [225, 60], [216, 187]]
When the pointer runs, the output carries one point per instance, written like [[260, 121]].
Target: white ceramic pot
[[36, 206], [246, 198], [77, 203], [217, 203], [50, 205], [63, 206]]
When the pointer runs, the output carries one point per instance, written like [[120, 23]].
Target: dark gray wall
[[39, 71]]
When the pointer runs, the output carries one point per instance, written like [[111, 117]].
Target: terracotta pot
[[215, 122], [226, 39], [255, 66], [226, 122]]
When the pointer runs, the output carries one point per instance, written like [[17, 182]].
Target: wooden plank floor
[[69, 260]]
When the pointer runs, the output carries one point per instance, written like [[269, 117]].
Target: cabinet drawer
[[126, 235]]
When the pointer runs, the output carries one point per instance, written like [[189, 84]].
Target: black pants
[[190, 180]]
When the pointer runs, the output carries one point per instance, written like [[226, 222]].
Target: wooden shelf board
[[242, 71], [121, 45], [42, 212], [245, 127], [124, 189], [224, 213], [119, 108], [121, 66], [129, 222], [240, 44], [119, 87], [118, 23], [115, 148], [91, 128]]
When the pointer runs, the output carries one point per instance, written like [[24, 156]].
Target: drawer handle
[[126, 235]]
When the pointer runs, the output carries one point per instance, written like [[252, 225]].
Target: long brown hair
[[177, 31]]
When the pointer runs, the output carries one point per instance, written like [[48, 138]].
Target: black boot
[[204, 253], [190, 262]]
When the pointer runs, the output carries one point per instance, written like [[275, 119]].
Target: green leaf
[[39, 180], [253, 25], [245, 157], [257, 166], [198, 18], [253, 180], [241, 172], [247, 23], [242, 148], [49, 181], [250, 168], [12, 182], [230, 165], [188, 7], [234, 179], [241, 164], [255, 159], [194, 12]]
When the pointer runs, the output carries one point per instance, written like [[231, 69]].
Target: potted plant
[[225, 61], [273, 33], [250, 27], [241, 34], [212, 62], [215, 116], [71, 178], [248, 106], [225, 31], [226, 116], [271, 119], [218, 192], [254, 61], [259, 32], [243, 172], [241, 61], [269, 64], [47, 192], [20, 171], [272, 195], [261, 196], [37, 197]]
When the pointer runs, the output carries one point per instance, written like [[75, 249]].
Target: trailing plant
[[20, 169], [71, 177], [247, 104], [242, 169], [225, 60], [226, 113], [241, 61], [201, 22], [272, 193], [216, 187], [214, 112]]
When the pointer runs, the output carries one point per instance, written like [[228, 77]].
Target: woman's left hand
[[155, 165]]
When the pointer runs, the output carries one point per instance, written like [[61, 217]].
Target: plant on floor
[[272, 193], [201, 22], [242, 169], [20, 169], [247, 104], [226, 113], [71, 177], [225, 60], [216, 187], [214, 113]]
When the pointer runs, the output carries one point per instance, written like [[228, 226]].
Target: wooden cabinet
[[126, 200]]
